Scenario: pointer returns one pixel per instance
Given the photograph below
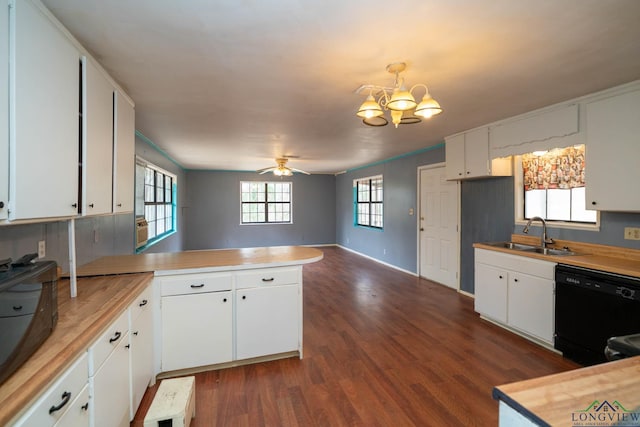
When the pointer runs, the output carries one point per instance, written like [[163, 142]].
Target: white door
[[439, 255]]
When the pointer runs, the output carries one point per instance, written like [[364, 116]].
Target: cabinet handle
[[127, 346], [85, 406], [268, 280], [91, 205], [143, 303], [201, 285], [116, 337], [17, 307], [66, 396]]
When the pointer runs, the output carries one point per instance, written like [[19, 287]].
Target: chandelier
[[399, 101]]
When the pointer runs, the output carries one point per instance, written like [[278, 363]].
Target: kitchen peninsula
[[247, 304]]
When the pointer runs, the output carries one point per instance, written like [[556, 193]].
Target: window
[[155, 199], [265, 202], [553, 186], [369, 206]]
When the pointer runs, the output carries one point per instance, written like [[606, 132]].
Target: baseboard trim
[[395, 267]]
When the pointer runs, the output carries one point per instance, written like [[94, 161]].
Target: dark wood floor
[[381, 348]]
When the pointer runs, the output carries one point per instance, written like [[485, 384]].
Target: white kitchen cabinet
[[612, 153], [491, 292], [4, 114], [123, 154], [267, 321], [61, 404], [44, 116], [517, 292], [467, 156], [97, 140], [141, 351], [197, 316], [109, 375]]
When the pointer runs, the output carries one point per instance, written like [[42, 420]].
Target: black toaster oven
[[28, 311]]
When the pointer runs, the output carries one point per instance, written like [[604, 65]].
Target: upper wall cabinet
[[612, 153], [467, 156], [97, 140], [44, 125], [123, 154], [4, 114]]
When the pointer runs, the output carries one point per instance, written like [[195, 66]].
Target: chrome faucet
[[544, 239]]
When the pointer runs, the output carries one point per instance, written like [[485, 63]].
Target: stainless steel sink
[[520, 247]]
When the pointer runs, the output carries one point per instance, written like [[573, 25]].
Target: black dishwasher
[[592, 306]]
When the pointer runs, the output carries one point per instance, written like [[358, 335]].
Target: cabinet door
[[531, 305], [44, 123], [476, 153], [110, 389], [612, 151], [123, 154], [4, 114], [141, 337], [97, 141], [267, 321], [454, 157], [197, 330], [491, 292]]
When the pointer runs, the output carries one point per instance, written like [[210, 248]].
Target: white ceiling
[[232, 84]]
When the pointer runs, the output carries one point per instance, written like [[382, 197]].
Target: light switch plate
[[632, 233]]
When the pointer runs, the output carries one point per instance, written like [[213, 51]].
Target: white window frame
[[174, 196], [355, 202], [290, 183]]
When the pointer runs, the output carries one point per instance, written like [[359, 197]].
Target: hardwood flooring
[[381, 348]]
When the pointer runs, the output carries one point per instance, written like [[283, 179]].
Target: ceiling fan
[[281, 169]]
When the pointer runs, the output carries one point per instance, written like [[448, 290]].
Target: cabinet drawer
[[64, 391], [142, 303], [108, 341], [267, 277], [195, 283]]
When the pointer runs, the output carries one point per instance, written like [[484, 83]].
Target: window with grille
[[265, 203], [369, 202], [159, 199]]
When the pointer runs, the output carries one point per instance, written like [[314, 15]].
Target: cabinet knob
[[459, 173], [127, 346], [515, 280], [244, 297], [75, 205], [119, 205], [85, 406], [224, 300], [91, 205], [594, 203], [66, 396], [468, 172], [135, 333], [500, 276], [1, 204]]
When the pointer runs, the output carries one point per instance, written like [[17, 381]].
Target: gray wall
[[213, 212], [396, 244]]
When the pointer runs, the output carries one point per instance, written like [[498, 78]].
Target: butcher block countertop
[[209, 260], [81, 320], [612, 259], [566, 399]]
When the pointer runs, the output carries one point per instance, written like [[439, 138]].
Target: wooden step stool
[[174, 403]]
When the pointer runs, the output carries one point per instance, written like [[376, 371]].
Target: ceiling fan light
[[396, 117], [428, 107], [401, 100], [369, 108]]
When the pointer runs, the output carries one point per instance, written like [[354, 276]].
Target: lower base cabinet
[[517, 292], [267, 321]]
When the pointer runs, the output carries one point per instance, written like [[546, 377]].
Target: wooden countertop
[[209, 260], [81, 320], [560, 399], [612, 259]]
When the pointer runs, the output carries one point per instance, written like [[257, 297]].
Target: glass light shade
[[428, 107], [401, 100], [277, 172], [369, 108], [396, 117]]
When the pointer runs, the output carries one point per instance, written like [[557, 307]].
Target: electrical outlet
[[632, 233], [42, 249]]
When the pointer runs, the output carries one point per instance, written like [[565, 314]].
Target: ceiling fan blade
[[300, 171], [265, 170]]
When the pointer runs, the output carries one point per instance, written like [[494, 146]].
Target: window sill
[[154, 241]]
